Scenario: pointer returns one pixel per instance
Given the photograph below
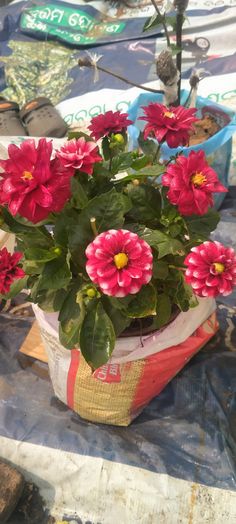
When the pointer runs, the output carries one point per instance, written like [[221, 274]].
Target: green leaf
[[97, 337], [65, 221], [51, 300], [105, 148], [171, 21], [34, 284], [201, 226], [140, 162], [175, 229], [37, 254], [170, 246], [15, 288], [149, 147], [184, 296], [146, 201], [154, 21], [78, 134], [101, 171], [29, 236], [56, 274], [175, 49], [71, 318], [108, 209], [153, 171], [163, 243], [117, 314], [160, 269], [121, 162], [143, 303], [163, 310], [79, 198], [32, 268], [121, 303]]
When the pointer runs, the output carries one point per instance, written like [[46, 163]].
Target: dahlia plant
[[107, 237]]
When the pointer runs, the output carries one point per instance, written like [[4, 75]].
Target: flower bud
[[91, 292], [135, 154], [118, 138], [57, 250]]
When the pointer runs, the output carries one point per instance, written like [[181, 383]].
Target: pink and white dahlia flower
[[79, 154], [119, 262], [211, 269], [191, 183]]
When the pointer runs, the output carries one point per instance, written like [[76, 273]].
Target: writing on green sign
[[73, 26]]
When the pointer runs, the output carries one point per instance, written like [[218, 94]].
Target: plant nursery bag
[[139, 369]]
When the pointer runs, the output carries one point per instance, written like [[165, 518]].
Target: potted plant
[[119, 265]]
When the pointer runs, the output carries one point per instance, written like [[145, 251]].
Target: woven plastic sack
[[117, 392], [7, 240], [218, 148]]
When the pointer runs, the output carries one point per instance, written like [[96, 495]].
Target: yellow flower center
[[198, 179], [219, 268], [27, 175], [121, 260], [169, 114]]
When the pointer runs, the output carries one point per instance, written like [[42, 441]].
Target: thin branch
[[93, 226], [86, 63], [179, 25], [157, 153], [163, 22]]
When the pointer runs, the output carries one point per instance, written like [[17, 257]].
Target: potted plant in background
[[119, 264], [216, 124]]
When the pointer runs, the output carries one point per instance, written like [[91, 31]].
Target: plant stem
[[188, 97], [93, 226], [100, 68], [157, 152], [179, 25], [163, 22], [179, 268]]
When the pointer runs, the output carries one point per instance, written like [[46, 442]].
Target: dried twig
[[87, 62]]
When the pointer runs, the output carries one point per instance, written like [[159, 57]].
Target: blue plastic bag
[[218, 148]]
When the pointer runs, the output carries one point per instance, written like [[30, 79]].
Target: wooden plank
[[33, 345]]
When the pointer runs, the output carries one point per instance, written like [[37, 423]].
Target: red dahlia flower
[[119, 262], [191, 182], [79, 154], [9, 269], [108, 123], [168, 124], [32, 184], [211, 269]]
